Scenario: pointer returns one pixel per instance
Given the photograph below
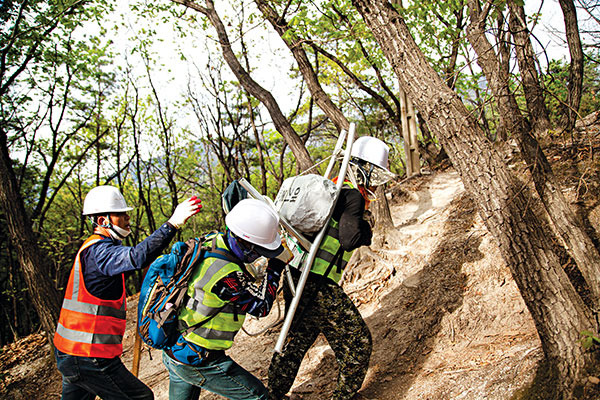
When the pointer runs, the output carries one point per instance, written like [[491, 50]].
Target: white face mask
[[118, 233]]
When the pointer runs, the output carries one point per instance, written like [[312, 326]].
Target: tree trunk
[[259, 148], [281, 123], [450, 72], [381, 211], [568, 226], [534, 94], [145, 200], [295, 45], [503, 203], [252, 117], [42, 293], [575, 82], [488, 59], [323, 100]]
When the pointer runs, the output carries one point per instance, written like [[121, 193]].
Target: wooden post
[[137, 344], [413, 155], [409, 133], [137, 349]]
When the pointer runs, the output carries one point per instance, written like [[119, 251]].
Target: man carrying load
[[324, 307]]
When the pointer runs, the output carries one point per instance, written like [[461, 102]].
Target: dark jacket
[[354, 230], [104, 262]]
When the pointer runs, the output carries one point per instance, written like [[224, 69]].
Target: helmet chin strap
[[234, 246], [361, 183], [352, 177], [96, 224]]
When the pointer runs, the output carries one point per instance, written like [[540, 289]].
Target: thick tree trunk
[[575, 83], [568, 226], [558, 311], [281, 123], [383, 214], [534, 94], [42, 293]]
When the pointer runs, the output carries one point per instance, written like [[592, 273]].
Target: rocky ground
[[446, 317]]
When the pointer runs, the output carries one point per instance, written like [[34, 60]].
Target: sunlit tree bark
[[534, 94], [567, 224], [558, 311], [575, 82]]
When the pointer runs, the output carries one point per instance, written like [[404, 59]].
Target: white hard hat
[[104, 199], [371, 150], [255, 222]]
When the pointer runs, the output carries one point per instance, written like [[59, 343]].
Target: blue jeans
[[84, 378], [222, 376]]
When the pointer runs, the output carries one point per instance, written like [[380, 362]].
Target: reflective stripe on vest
[[89, 326], [223, 321], [329, 247]]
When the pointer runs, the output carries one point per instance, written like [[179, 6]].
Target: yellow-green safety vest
[[329, 248], [222, 318]]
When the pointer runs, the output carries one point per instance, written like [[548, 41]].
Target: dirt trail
[[446, 317]]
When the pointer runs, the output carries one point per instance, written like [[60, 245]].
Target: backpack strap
[[185, 330], [320, 281], [225, 255], [193, 255], [337, 259]]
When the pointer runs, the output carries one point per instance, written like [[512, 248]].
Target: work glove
[[184, 211], [286, 255], [369, 217], [278, 263]]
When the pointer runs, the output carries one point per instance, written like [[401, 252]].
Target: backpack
[[165, 286]]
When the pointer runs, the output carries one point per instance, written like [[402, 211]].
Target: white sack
[[305, 201]]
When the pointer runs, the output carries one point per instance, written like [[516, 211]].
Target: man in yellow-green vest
[[324, 307], [219, 295]]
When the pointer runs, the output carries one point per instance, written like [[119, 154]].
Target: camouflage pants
[[325, 308]]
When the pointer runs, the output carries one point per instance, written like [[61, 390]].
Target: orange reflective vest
[[89, 326]]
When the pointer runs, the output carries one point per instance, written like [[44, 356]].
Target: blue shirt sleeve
[[105, 261]]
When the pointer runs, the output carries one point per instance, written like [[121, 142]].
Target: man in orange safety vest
[[91, 325]]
